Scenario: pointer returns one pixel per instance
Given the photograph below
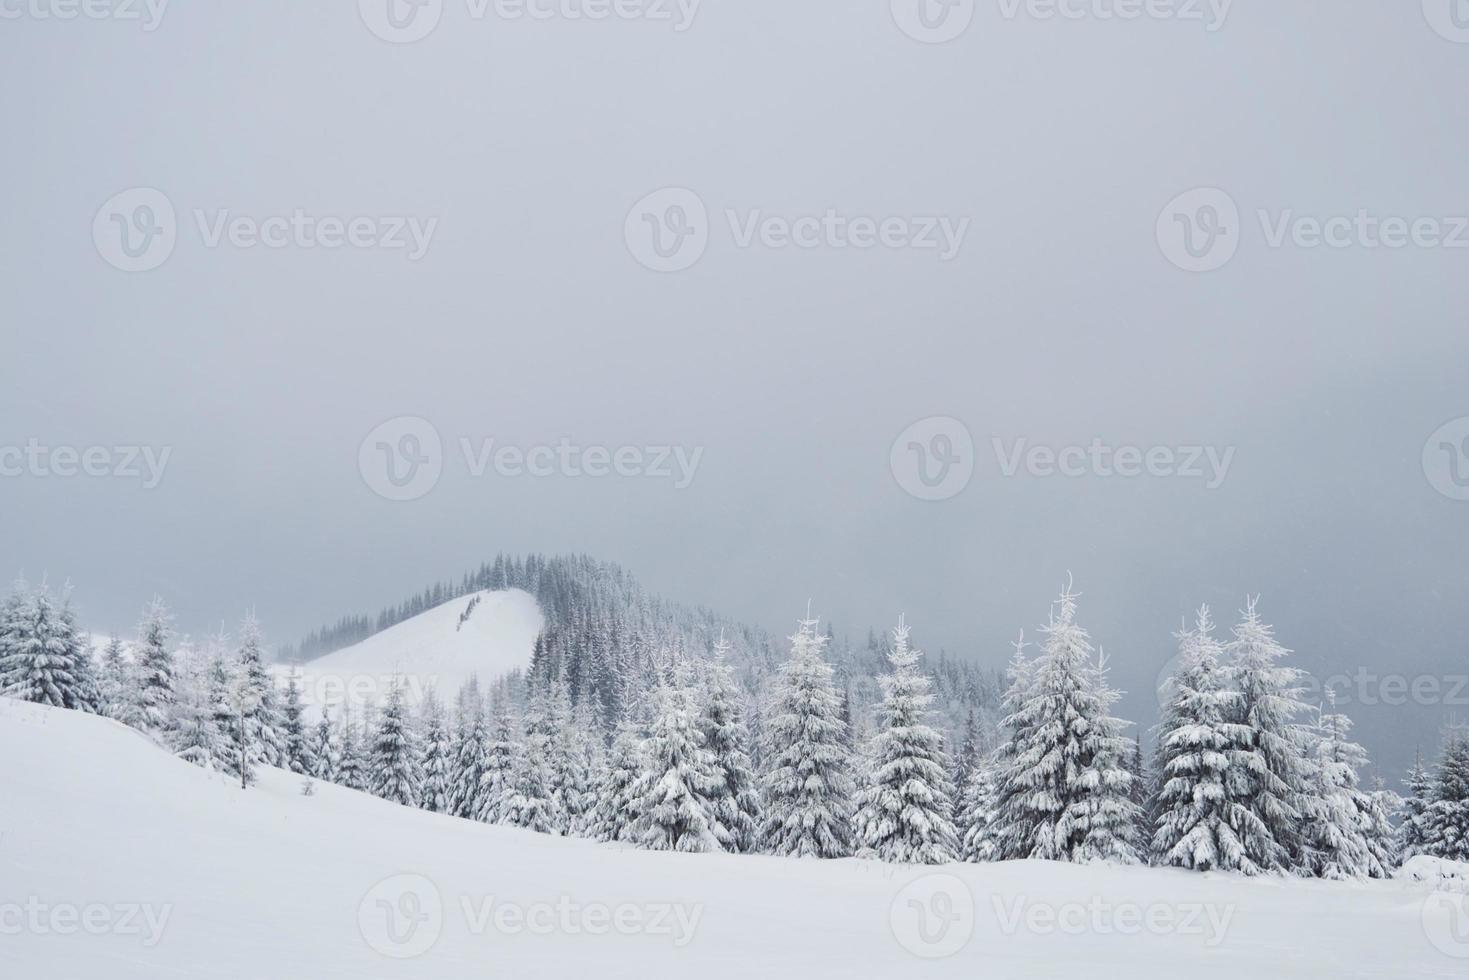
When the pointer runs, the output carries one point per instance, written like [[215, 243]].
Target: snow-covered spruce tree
[[1273, 771], [566, 757], [905, 807], [352, 769], [615, 812], [42, 658], [193, 731], [471, 735], [1006, 830], [155, 667], [1334, 834], [1110, 819], [531, 802], [808, 781], [1375, 812], [588, 757], [435, 761], [324, 751], [678, 776], [1448, 814], [117, 685], [262, 719], [977, 814], [242, 707], [393, 769], [1066, 784], [1413, 830], [298, 749], [1198, 824], [735, 802], [498, 764]]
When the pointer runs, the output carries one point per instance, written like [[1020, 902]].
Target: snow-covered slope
[[433, 649], [182, 874]]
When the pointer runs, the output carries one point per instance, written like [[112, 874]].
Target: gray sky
[[531, 316]]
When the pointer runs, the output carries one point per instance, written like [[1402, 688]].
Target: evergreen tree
[[117, 685], [808, 781], [531, 802], [1375, 810], [262, 729], [1198, 822], [352, 768], [1334, 838], [193, 730], [904, 812], [470, 737], [977, 815], [324, 751], [734, 803], [41, 654], [1109, 819], [1273, 770], [1448, 814], [498, 769], [1004, 828], [154, 667], [436, 760], [1413, 830], [615, 813], [393, 769], [679, 775], [298, 748]]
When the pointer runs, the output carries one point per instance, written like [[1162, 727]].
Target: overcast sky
[[1060, 309]]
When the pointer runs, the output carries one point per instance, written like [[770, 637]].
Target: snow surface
[[430, 650], [269, 884]]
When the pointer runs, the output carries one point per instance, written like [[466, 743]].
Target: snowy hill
[[487, 633], [118, 861]]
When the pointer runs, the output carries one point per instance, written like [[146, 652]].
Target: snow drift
[[120, 861]]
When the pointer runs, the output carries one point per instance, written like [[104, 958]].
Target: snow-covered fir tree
[[734, 803], [1413, 825], [976, 819], [435, 762], [1198, 823], [1448, 813], [154, 666], [498, 763], [324, 749], [42, 656], [297, 747], [193, 729], [905, 807], [1006, 832], [808, 781], [588, 753], [1107, 813], [117, 684], [352, 767], [262, 719], [615, 813], [531, 802], [393, 769], [1273, 771], [674, 787], [468, 748], [1334, 834], [1375, 810]]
